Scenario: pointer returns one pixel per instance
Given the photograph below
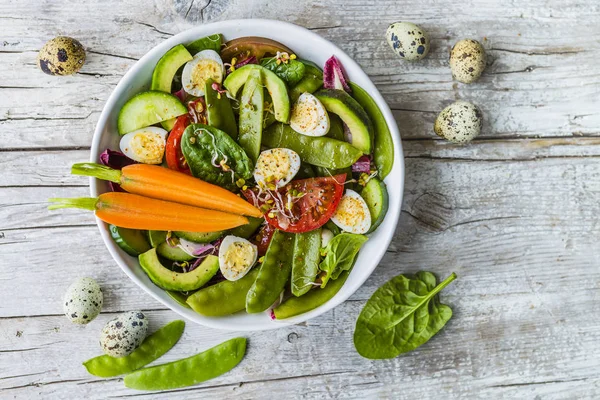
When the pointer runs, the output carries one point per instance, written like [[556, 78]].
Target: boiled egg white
[[276, 166], [309, 116], [146, 145], [236, 257], [352, 214], [205, 65]]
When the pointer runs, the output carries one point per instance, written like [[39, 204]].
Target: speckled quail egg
[[409, 41], [460, 122], [83, 301], [122, 335], [467, 60], [61, 56]]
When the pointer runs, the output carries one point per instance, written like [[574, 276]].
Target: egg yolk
[[148, 147], [274, 165], [204, 70], [350, 212], [239, 256], [305, 115]]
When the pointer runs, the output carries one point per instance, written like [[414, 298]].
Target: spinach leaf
[[291, 71], [340, 254], [401, 315], [212, 42], [214, 156]]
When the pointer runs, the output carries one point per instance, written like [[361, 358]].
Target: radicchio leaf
[[116, 160], [334, 76], [363, 164]]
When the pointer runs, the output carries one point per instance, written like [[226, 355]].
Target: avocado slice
[[352, 113], [171, 280], [167, 67], [156, 237], [275, 86], [172, 253], [251, 115]]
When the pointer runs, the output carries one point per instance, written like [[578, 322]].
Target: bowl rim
[[393, 213]]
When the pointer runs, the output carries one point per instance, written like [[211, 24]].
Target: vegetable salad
[[247, 178]]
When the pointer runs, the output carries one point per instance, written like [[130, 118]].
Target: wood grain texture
[[514, 214]]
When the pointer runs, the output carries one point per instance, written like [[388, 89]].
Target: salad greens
[[340, 254], [401, 315], [291, 71]]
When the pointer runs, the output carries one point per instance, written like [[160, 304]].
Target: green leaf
[[204, 147], [291, 71], [401, 315], [340, 254]]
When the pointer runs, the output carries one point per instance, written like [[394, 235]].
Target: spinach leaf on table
[[204, 147], [291, 71], [401, 315], [340, 254]]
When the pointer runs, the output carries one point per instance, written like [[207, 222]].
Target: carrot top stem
[[97, 170], [87, 203]]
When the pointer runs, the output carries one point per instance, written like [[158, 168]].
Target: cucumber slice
[[199, 237], [376, 196], [132, 241], [246, 231], [172, 253], [148, 108], [171, 280], [156, 237]]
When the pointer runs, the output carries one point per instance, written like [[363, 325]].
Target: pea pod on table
[[190, 371], [224, 298], [305, 262], [273, 275], [153, 347], [319, 151], [311, 300], [219, 112]]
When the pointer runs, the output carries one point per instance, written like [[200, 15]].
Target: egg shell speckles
[[460, 122], [61, 56], [467, 60], [409, 41], [83, 301], [122, 335]]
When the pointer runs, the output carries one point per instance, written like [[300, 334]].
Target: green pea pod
[[305, 262], [190, 371], [212, 42], [251, 115], [311, 300], [153, 347], [383, 153], [224, 298], [320, 151], [179, 297], [218, 110], [311, 82], [273, 275], [204, 147]]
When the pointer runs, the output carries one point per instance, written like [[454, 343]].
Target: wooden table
[[514, 214]]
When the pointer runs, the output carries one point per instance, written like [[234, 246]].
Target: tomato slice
[[314, 202], [173, 154]]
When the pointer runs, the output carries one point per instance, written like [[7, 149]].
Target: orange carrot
[[138, 212], [166, 184]]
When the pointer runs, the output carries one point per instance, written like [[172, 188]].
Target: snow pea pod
[[320, 151], [218, 110], [311, 81], [383, 152], [190, 371], [305, 262], [224, 298], [152, 348], [251, 115], [274, 273], [311, 300]]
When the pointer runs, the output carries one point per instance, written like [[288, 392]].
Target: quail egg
[[146, 145], [309, 116], [460, 122], [352, 214], [467, 60], [122, 335], [276, 167], [61, 56], [409, 41], [83, 301], [236, 257]]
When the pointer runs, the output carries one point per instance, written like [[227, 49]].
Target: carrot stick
[[166, 184], [138, 212]]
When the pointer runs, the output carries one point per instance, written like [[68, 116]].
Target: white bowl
[[307, 45]]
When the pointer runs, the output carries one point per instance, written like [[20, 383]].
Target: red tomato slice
[[173, 154], [320, 198]]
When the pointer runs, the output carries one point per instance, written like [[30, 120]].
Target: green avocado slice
[[171, 280], [352, 113]]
